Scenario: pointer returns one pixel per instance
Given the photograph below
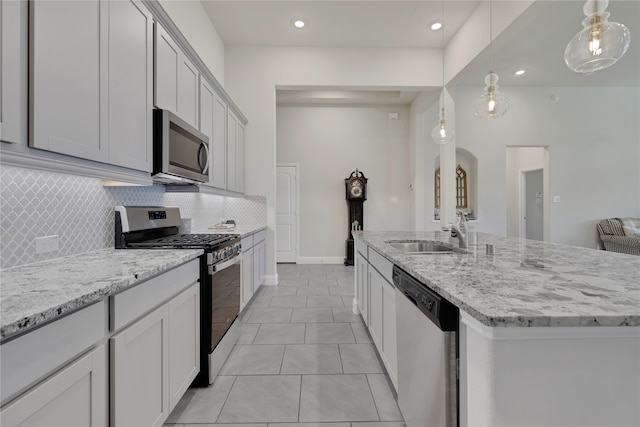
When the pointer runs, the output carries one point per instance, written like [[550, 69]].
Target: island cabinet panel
[[74, 396], [375, 307], [140, 372], [68, 97], [362, 289], [382, 320], [549, 376]]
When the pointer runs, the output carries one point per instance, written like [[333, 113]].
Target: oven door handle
[[215, 268]]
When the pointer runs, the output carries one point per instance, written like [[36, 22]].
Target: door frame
[[297, 208]]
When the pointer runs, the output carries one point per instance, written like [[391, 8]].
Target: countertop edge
[[509, 321], [111, 286]]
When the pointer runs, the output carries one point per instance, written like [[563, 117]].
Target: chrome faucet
[[460, 229]]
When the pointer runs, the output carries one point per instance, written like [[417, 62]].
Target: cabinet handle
[[206, 150]]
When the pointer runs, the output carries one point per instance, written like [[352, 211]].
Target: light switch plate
[[47, 244]]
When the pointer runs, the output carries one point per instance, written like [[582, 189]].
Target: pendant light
[[441, 134], [600, 44], [492, 104]]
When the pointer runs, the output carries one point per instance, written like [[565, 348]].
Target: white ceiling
[[535, 41], [336, 23]]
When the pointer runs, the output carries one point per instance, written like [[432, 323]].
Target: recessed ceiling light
[[298, 23], [520, 72], [436, 26]]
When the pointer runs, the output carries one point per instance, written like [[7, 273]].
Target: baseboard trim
[[321, 260]]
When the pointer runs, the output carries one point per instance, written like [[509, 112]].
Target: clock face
[[356, 189]]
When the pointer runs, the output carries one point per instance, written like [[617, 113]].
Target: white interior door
[[286, 213], [534, 205]]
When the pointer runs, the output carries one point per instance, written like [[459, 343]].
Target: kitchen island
[[549, 334]]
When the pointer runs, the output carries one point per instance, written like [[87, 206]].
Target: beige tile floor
[[303, 359]]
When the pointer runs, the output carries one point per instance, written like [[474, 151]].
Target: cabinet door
[[188, 91], [130, 84], [240, 157], [262, 247], [256, 267], [232, 125], [207, 105], [362, 277], [74, 396], [389, 345], [166, 68], [140, 372], [375, 306], [218, 146], [184, 336], [246, 278], [68, 56], [13, 71]]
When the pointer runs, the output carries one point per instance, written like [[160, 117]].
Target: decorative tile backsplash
[[80, 211]]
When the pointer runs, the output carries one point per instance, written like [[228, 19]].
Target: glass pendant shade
[[492, 104], [441, 134], [600, 44]]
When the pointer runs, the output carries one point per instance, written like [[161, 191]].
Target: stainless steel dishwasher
[[427, 338]]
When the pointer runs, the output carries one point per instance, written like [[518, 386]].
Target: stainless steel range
[[157, 227]]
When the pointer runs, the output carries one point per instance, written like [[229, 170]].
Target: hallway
[[303, 359]]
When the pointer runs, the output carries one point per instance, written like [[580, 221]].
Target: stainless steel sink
[[421, 247]]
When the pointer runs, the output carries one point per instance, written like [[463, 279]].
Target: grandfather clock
[[356, 193]]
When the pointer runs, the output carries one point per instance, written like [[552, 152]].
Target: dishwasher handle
[[410, 298]]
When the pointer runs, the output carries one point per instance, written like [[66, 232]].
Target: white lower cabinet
[[140, 372], [377, 304], [74, 396], [184, 340], [246, 277], [154, 360]]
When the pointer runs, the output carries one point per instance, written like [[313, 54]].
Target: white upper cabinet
[[91, 80], [166, 67], [235, 153], [68, 56], [188, 92], [218, 147], [130, 85], [176, 79], [213, 112], [13, 72]]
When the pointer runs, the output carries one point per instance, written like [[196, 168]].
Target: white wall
[[194, 23], [519, 159], [252, 74], [329, 142], [593, 135]]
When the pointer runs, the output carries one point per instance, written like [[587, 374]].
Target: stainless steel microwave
[[180, 151]]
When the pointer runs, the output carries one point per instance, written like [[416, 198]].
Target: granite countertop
[[242, 230], [35, 293], [526, 282]]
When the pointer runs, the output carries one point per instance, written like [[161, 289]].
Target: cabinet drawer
[[247, 243], [383, 265], [29, 358], [133, 303], [259, 236]]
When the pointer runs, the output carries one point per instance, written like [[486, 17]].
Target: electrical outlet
[[556, 199], [47, 244]]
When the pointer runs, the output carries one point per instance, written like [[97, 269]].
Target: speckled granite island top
[[36, 293], [526, 282]]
